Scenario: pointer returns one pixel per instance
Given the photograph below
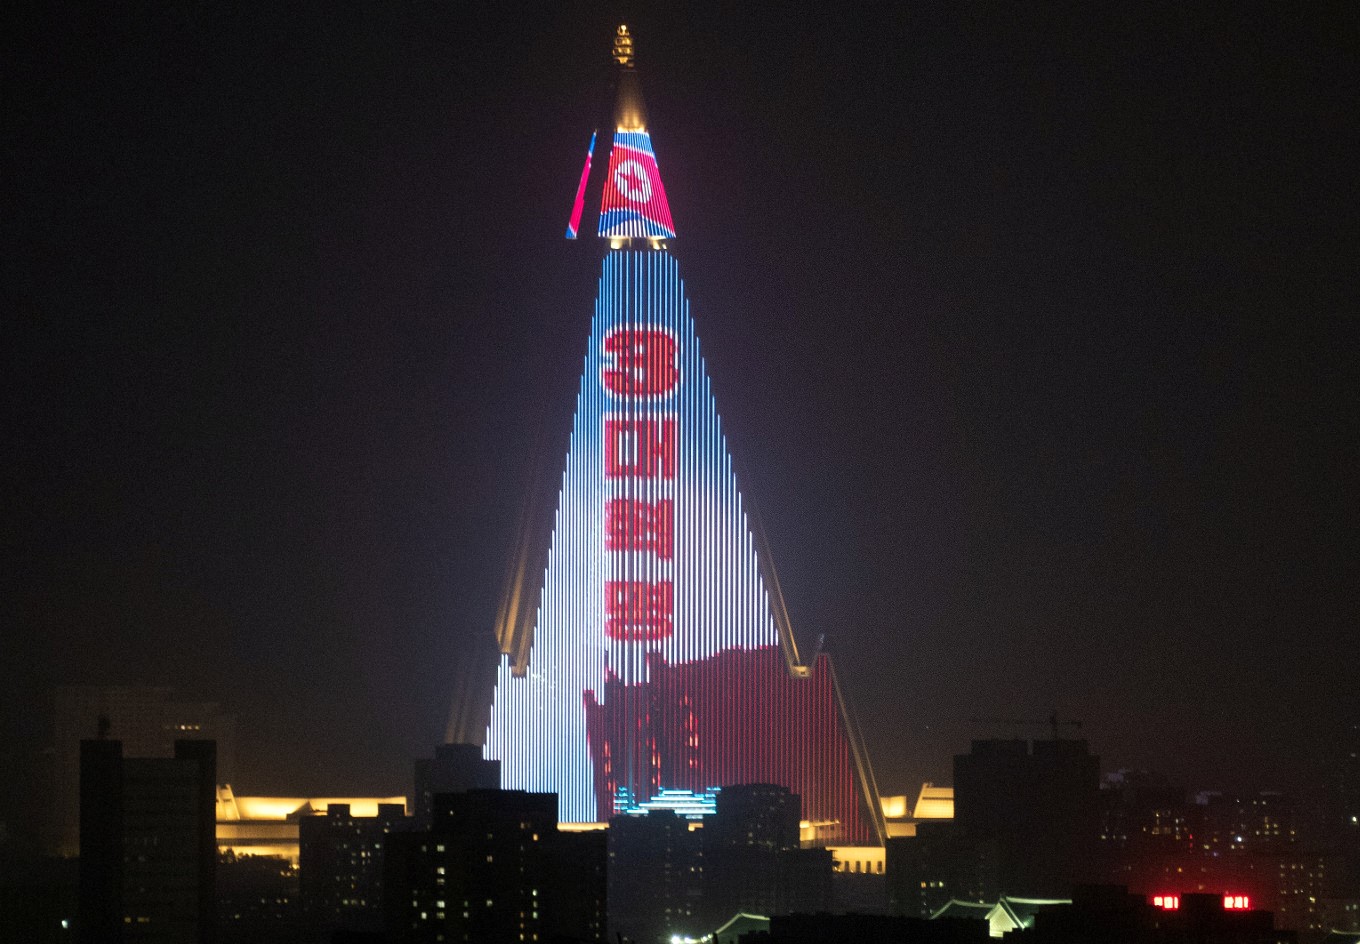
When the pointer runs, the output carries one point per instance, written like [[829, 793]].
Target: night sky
[[1032, 328]]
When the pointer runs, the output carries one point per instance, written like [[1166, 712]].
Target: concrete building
[[455, 768], [938, 864], [752, 862], [147, 720], [1040, 803], [655, 876], [148, 855], [340, 865], [494, 867]]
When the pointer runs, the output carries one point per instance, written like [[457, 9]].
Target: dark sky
[[1033, 331]]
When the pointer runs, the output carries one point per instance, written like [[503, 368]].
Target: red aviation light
[[1236, 903], [1167, 902]]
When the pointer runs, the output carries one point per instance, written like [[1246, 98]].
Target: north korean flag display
[[634, 201]]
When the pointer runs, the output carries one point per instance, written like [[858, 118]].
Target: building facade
[[493, 866], [146, 720], [340, 866], [148, 854], [656, 657]]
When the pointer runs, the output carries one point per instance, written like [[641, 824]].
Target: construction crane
[[1052, 721]]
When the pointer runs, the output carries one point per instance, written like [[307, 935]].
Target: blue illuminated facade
[[718, 600]]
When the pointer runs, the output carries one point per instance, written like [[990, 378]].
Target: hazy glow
[[281, 808], [894, 807]]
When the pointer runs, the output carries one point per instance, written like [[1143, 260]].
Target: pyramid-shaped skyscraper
[[652, 670]]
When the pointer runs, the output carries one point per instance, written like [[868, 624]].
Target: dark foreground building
[[939, 864], [148, 849], [454, 768], [870, 929], [340, 865], [1109, 913], [670, 876], [494, 867], [752, 862], [1038, 804], [655, 877]]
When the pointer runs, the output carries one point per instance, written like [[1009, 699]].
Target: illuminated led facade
[[653, 664]]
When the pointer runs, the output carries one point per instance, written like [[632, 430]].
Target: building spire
[[623, 46], [634, 205], [630, 115]]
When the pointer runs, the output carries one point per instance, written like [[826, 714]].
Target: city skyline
[[1031, 335]]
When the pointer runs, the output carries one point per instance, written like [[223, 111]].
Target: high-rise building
[[939, 863], [1040, 803], [656, 877], [455, 768], [340, 866], [147, 720], [148, 854], [752, 862], [655, 656], [493, 866]]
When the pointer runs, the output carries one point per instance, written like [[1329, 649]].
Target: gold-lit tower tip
[[623, 46], [629, 112]]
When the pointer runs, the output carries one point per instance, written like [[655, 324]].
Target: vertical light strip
[[719, 705]]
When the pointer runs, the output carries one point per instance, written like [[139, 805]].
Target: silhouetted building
[[146, 719], [581, 887], [340, 865], [872, 929], [1234, 824], [1154, 839], [493, 867], [751, 857], [1109, 913], [257, 900], [455, 768], [655, 876], [148, 851], [940, 863], [1040, 805]]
